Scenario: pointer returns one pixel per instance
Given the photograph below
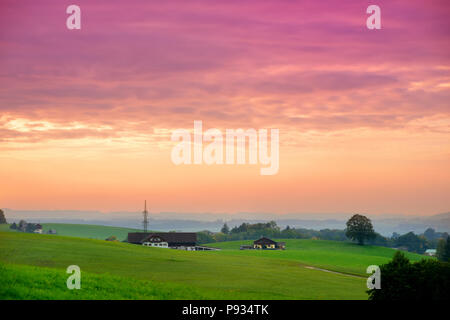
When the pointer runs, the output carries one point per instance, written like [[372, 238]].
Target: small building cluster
[[51, 231], [264, 243], [24, 226], [187, 240], [172, 240]]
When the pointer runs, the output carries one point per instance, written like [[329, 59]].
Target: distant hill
[[384, 224], [441, 216]]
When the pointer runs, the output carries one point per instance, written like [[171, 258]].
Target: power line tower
[[145, 212]]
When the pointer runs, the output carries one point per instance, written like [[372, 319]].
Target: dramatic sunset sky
[[364, 115]]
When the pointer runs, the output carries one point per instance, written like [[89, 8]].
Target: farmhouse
[[37, 228], [265, 244], [174, 240]]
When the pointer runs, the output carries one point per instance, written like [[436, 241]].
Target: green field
[[88, 230], [5, 227], [34, 268], [340, 256], [83, 230], [36, 283]]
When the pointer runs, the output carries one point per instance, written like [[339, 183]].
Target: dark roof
[[170, 237], [264, 240], [136, 237]]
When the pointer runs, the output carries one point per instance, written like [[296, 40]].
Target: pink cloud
[[174, 61]]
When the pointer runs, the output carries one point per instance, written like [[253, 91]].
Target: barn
[[266, 243], [174, 240]]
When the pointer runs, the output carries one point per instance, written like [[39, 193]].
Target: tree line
[[358, 228]]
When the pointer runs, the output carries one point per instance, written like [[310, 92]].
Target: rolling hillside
[[340, 256], [212, 275], [114, 270], [88, 230], [83, 230]]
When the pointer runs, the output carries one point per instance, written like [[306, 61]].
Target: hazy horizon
[[164, 221], [224, 215]]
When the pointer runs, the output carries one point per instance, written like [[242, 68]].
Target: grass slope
[[340, 256], [120, 270], [36, 283], [88, 230], [83, 230], [5, 227]]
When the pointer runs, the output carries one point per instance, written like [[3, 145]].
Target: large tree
[[360, 228], [2, 217]]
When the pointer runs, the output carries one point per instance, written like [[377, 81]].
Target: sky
[[86, 115]]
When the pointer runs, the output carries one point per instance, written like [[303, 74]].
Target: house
[[430, 252], [174, 240], [266, 243], [37, 228]]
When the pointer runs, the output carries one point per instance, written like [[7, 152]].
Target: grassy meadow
[[339, 256], [90, 231], [36, 283], [33, 266]]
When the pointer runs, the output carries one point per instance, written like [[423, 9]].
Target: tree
[[2, 217], [379, 240], [447, 250], [443, 250], [412, 242], [225, 229], [360, 228], [427, 279], [13, 226], [440, 250], [22, 225], [205, 237], [30, 227], [430, 234]]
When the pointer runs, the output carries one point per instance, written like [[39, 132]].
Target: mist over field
[[168, 221]]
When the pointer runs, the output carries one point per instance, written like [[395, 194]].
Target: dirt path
[[335, 272]]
